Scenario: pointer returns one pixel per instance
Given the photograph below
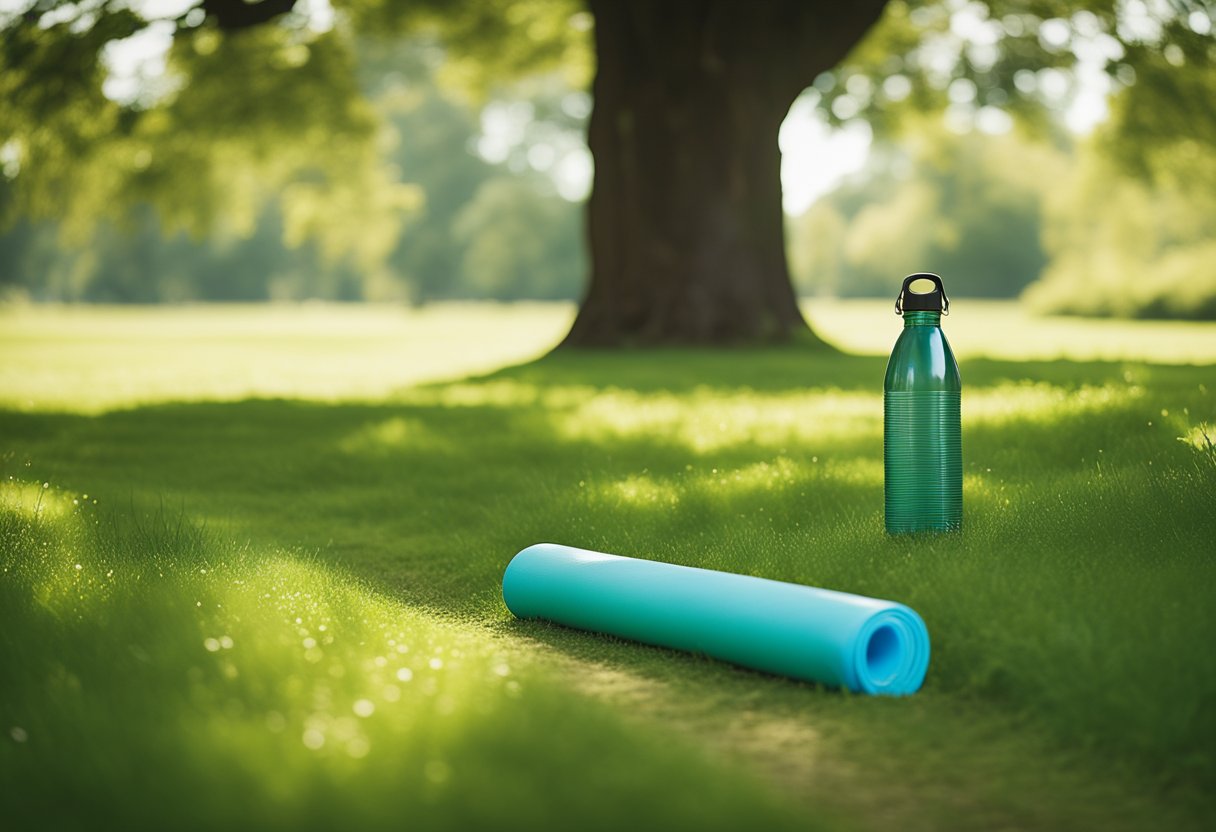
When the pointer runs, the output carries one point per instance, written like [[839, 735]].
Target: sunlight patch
[[640, 491], [766, 476], [486, 394], [708, 420], [1042, 402], [378, 438], [39, 500], [280, 654], [1202, 437]]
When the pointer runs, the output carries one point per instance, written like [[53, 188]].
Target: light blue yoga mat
[[836, 639]]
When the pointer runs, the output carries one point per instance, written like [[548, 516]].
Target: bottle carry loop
[[935, 301]]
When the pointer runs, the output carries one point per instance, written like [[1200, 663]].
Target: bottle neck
[[921, 318]]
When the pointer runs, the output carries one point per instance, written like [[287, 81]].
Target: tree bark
[[685, 218]]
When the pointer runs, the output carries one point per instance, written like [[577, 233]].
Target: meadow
[[250, 564]]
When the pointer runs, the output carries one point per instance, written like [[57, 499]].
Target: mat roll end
[[892, 653]]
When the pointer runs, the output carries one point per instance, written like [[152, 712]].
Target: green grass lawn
[[251, 561]]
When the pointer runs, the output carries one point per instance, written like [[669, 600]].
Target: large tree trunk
[[685, 218]]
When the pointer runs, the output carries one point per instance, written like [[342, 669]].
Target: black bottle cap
[[932, 301]]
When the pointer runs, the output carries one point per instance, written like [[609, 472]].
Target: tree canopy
[[274, 100]]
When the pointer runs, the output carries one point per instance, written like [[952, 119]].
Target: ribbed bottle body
[[923, 461], [922, 431]]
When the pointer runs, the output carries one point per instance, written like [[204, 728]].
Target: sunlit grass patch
[[389, 435], [1064, 616], [1009, 331], [1200, 437], [98, 358], [1011, 403], [36, 500], [262, 687], [640, 490], [706, 420]]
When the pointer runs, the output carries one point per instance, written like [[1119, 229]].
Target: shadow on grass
[[793, 369], [1088, 523]]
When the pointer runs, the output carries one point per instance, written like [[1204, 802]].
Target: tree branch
[[239, 14]]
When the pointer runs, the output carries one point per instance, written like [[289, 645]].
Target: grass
[[286, 611]]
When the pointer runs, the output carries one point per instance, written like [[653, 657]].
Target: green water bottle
[[922, 434]]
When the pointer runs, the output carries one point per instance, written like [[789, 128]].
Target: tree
[[519, 242], [684, 220]]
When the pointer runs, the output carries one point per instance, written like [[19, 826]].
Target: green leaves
[[1024, 57], [260, 103], [54, 118]]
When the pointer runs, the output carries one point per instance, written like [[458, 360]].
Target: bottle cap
[[911, 300]]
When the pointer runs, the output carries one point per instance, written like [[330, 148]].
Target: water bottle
[[922, 434]]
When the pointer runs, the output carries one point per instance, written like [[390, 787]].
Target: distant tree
[[967, 206], [469, 196], [684, 221], [433, 151], [519, 241], [1133, 247]]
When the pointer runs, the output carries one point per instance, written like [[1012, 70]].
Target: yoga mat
[[833, 638]]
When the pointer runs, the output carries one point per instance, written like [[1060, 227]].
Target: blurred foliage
[[966, 206], [1130, 247], [487, 41], [291, 236], [435, 135], [1119, 225], [979, 59], [520, 240], [330, 176], [1163, 118], [55, 121], [1131, 231], [237, 118], [345, 155]]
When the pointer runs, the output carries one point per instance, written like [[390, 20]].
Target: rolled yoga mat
[[836, 639]]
